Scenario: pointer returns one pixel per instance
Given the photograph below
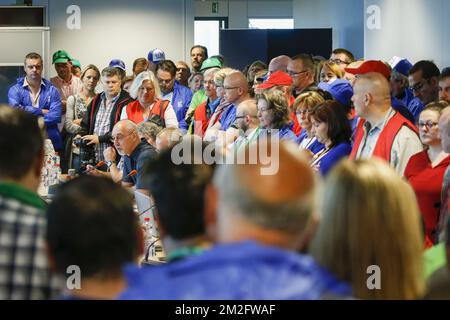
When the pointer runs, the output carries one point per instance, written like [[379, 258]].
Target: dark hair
[[178, 190], [333, 114], [428, 68], [167, 65], [349, 55], [91, 224], [307, 60], [21, 142], [444, 74], [33, 55], [205, 50]]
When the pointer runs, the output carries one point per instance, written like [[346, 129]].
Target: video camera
[[87, 154]]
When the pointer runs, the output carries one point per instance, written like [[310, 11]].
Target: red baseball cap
[[277, 78], [371, 66]]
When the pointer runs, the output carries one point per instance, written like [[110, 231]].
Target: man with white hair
[[135, 152]]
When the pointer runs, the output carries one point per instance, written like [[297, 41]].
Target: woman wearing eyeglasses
[[303, 105], [425, 170]]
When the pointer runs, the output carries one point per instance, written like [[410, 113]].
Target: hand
[[77, 121], [110, 154], [92, 171], [91, 139], [44, 111]]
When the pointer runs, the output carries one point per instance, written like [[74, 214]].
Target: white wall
[[123, 29], [345, 17], [414, 29], [238, 12]]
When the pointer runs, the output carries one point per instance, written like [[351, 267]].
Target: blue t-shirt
[[333, 156], [236, 271], [136, 161]]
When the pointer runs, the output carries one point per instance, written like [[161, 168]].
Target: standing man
[[104, 112], [342, 57], [424, 81], [66, 83], [444, 85], [24, 269], [179, 96], [198, 55], [154, 57], [382, 132], [303, 72], [39, 97]]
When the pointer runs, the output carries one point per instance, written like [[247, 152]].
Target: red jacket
[[296, 128], [134, 111], [386, 138]]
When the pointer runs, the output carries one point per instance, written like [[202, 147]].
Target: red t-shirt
[[427, 184]]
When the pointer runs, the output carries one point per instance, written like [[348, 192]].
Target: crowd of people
[[361, 185]]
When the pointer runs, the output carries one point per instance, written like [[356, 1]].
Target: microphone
[[132, 173], [100, 164]]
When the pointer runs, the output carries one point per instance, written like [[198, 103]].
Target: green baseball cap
[[76, 63], [61, 56], [211, 63]]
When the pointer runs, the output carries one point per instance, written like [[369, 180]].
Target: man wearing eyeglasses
[[302, 70], [342, 58], [424, 81], [179, 96], [135, 151]]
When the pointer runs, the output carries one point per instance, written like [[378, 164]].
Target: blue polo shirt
[[136, 161]]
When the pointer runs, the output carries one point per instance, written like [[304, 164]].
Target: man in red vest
[[381, 132]]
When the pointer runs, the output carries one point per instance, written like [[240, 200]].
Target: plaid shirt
[[24, 271], [102, 123]]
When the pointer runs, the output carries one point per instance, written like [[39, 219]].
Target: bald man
[[135, 153], [235, 88], [381, 131], [279, 63], [247, 122], [260, 222]]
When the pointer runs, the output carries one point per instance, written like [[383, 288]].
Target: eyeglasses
[[119, 137], [306, 111], [339, 61], [418, 86], [428, 124], [209, 82], [165, 81], [295, 74], [230, 88]]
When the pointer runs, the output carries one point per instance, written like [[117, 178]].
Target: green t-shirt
[[434, 258]]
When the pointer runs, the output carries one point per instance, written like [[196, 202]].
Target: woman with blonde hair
[[149, 105], [330, 71], [303, 106], [370, 231]]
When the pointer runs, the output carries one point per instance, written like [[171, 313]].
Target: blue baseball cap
[[156, 55], [117, 63], [401, 65], [340, 89]]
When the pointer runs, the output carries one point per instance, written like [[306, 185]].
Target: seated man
[[24, 270], [181, 222], [258, 231], [135, 152], [92, 226]]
